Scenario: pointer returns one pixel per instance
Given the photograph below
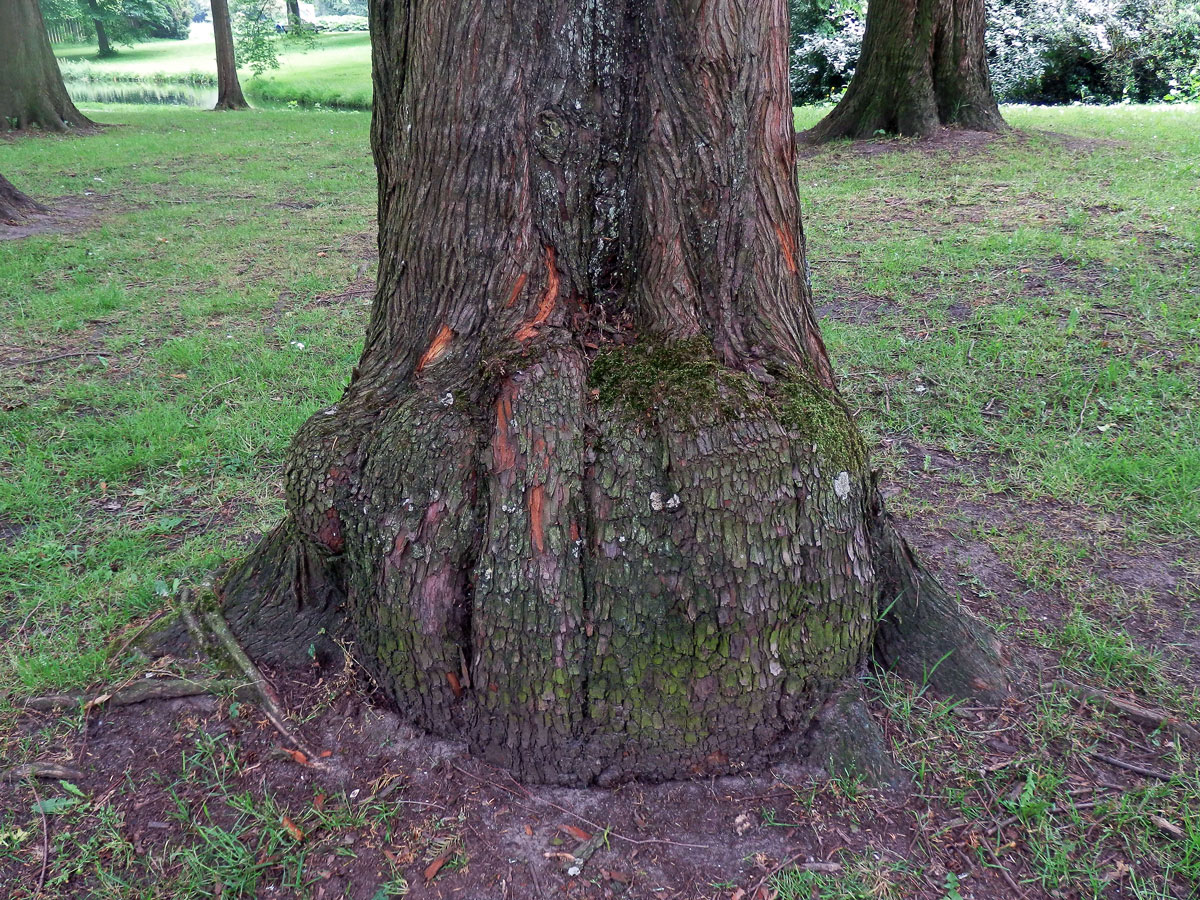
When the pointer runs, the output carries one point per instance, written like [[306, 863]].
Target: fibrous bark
[[32, 93], [229, 89], [13, 204], [591, 501], [923, 65]]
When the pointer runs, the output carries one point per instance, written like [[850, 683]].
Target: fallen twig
[[137, 692], [1130, 767], [56, 356], [1004, 871], [45, 839], [1155, 718], [265, 693], [39, 770]]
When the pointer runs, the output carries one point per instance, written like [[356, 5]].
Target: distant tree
[[923, 65], [106, 48], [32, 93], [13, 204], [229, 89], [293, 14]]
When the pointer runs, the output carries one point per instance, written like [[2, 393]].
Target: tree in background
[[1039, 51], [923, 65], [98, 16], [113, 22], [592, 501], [229, 89], [32, 93]]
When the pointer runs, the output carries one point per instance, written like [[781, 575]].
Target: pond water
[[142, 92]]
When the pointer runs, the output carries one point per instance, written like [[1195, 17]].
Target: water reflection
[[142, 92]]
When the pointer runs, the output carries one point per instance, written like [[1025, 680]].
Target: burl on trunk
[[591, 501]]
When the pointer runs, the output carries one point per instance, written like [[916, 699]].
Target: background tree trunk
[[591, 500], [229, 89], [293, 14], [101, 34], [13, 204], [923, 65], [32, 93]]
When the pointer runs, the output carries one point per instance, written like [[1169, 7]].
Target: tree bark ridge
[[591, 498]]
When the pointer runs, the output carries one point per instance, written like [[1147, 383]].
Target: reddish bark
[[600, 511]]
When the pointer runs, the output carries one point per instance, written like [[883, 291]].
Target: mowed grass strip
[[334, 71], [199, 288], [1037, 296]]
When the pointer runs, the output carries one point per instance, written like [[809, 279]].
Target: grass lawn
[[1017, 322], [336, 72]]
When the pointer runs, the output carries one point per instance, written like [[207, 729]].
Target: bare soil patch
[[66, 215]]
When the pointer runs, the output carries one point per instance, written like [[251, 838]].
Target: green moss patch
[[676, 378], [819, 415]]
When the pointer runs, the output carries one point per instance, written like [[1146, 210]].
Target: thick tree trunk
[[14, 205], [229, 89], [101, 34], [591, 500], [293, 14], [32, 93], [923, 65]]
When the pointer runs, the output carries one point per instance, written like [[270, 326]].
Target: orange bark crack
[[546, 304], [437, 349], [537, 533], [788, 245], [504, 455], [516, 291]]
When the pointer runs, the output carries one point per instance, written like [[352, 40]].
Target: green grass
[[1088, 381], [198, 283], [336, 72]]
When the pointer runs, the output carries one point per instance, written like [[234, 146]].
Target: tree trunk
[[32, 93], [229, 89], [293, 15], [591, 501], [101, 34], [14, 205], [923, 65]]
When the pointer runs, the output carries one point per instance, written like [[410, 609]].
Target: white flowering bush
[[1039, 51]]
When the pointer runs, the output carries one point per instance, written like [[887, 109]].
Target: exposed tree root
[[846, 740], [926, 635], [267, 699], [138, 692]]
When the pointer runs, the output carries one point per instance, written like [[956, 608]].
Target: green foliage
[[254, 34], [341, 7], [124, 21], [1039, 51]]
